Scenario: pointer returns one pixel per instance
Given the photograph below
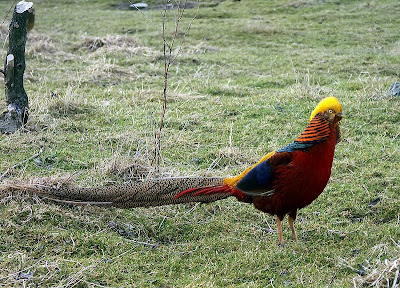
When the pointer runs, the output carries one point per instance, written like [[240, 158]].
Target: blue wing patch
[[295, 146], [258, 181]]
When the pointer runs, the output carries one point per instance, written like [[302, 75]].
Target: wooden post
[[16, 114]]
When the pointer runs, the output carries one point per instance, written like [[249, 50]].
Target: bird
[[280, 183]]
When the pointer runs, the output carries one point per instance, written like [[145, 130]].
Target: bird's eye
[[330, 111]]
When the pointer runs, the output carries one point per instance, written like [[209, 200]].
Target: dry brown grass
[[55, 181], [126, 168], [383, 274], [263, 28], [110, 41], [112, 44], [202, 48], [62, 104], [103, 70], [38, 43]]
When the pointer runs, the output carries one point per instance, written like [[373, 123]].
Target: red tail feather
[[205, 190]]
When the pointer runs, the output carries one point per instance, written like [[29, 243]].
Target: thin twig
[[147, 17], [395, 279], [177, 20], [4, 175], [8, 12], [186, 31], [164, 107], [168, 61], [4, 20]]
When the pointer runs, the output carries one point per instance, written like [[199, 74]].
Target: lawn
[[246, 78]]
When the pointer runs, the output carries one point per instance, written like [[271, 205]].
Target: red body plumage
[[301, 181]]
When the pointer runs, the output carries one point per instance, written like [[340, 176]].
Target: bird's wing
[[259, 180]]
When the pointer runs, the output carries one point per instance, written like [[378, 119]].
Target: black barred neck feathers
[[317, 130]]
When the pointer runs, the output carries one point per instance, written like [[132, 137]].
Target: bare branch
[[164, 108], [4, 20], [169, 59], [147, 17], [184, 35]]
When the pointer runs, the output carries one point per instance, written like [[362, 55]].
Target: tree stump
[[16, 114]]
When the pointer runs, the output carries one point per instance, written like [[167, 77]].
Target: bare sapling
[[170, 54]]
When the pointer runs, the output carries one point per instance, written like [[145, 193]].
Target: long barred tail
[[140, 194]]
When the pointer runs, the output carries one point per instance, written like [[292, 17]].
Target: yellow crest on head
[[329, 103]]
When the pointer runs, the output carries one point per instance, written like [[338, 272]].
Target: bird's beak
[[339, 116]]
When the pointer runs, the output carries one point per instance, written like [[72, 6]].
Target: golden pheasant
[[282, 182]]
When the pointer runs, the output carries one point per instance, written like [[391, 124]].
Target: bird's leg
[[279, 222], [291, 224], [291, 218]]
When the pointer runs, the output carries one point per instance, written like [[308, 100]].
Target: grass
[[244, 84]]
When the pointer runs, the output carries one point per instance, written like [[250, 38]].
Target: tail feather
[[140, 194], [202, 191], [165, 191]]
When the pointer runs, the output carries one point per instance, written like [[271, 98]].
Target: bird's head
[[331, 109]]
